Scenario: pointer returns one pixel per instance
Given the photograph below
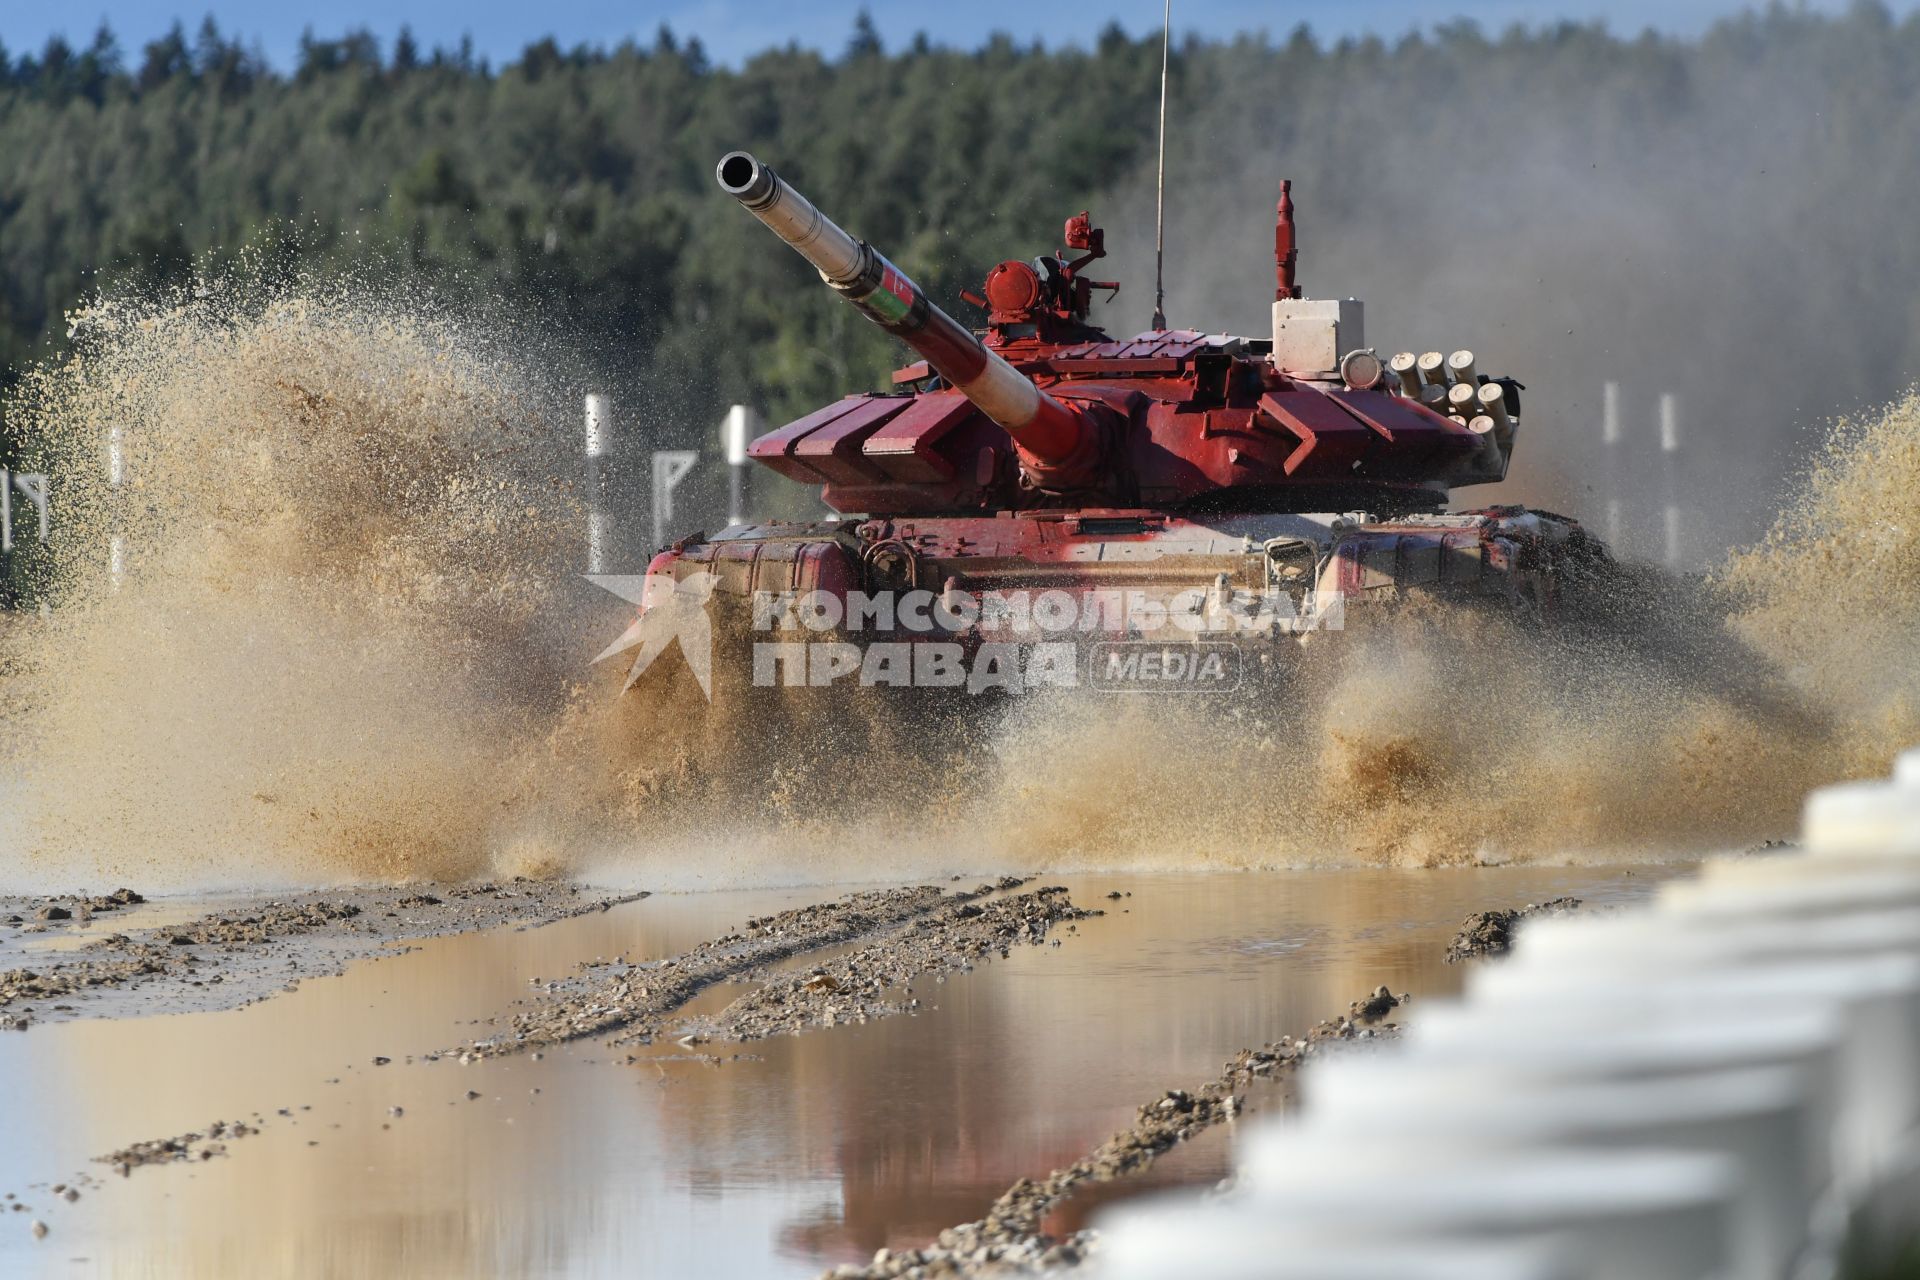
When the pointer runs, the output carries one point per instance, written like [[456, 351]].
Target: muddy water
[[806, 1152]]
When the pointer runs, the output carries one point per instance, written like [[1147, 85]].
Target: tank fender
[[1488, 559], [741, 569]]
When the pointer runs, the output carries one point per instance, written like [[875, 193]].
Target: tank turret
[[1058, 442], [1043, 409]]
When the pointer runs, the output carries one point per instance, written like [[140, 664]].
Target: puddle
[[808, 1152]]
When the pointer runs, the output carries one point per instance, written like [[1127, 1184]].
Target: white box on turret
[[1311, 334]]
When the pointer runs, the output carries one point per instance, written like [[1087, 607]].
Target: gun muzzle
[[1061, 439]]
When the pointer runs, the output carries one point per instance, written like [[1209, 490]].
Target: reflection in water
[[811, 1151]]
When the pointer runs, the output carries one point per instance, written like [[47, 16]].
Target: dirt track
[[714, 974], [227, 958]]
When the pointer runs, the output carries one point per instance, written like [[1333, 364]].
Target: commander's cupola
[[1045, 300]]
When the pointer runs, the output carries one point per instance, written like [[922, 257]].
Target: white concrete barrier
[[1178, 1237], [1758, 1119], [1724, 1083], [1622, 1215]]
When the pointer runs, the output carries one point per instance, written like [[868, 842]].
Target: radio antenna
[[1160, 184]]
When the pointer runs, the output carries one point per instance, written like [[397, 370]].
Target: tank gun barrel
[[1055, 435]]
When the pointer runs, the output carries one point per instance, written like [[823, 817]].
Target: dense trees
[[1705, 213], [575, 181]]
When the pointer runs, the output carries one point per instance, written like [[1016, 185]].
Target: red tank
[[1151, 501]]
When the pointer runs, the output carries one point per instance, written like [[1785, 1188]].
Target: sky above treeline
[[733, 30]]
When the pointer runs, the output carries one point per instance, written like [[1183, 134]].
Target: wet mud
[[1490, 933], [1020, 1098], [861, 986], [182, 1149], [53, 967], [898, 934]]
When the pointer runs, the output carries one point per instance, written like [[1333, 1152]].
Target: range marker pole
[[1611, 468], [1670, 478], [740, 426], [599, 445]]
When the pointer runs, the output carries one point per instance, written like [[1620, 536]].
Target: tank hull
[[1099, 597]]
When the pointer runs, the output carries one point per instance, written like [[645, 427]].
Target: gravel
[[187, 1147], [1490, 933]]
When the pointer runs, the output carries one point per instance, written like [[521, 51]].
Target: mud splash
[[1832, 593], [1428, 741], [1670, 718], [350, 643], [337, 645]]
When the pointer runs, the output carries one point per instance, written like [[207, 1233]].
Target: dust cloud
[[338, 641], [1422, 741], [1663, 717], [1659, 717], [350, 643]]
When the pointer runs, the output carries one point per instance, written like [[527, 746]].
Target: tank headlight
[[1362, 370]]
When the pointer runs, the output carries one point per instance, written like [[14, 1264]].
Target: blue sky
[[733, 29]]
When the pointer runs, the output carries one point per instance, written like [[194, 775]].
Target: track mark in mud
[[855, 987], [1009, 1240], [1490, 933], [637, 1000], [234, 956]]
